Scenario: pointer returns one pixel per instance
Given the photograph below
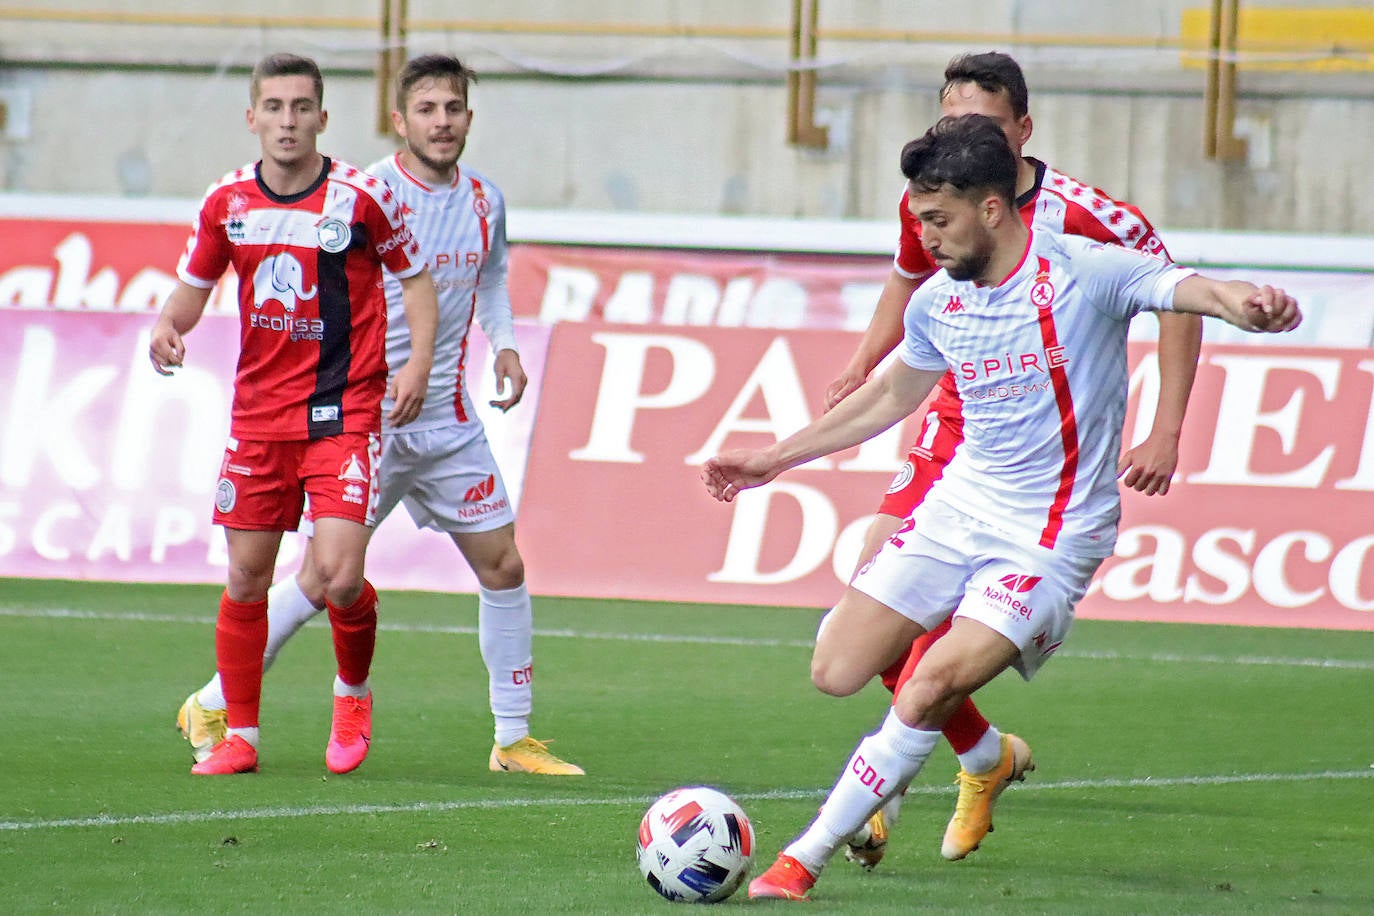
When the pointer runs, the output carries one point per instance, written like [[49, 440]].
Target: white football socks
[[984, 755], [287, 611], [505, 624], [882, 765]]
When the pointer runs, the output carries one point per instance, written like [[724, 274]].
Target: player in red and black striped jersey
[[992, 85], [308, 237]]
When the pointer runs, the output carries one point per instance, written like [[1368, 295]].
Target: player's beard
[[441, 166], [973, 264]]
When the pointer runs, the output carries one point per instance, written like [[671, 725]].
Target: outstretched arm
[[1149, 467], [1262, 309], [877, 405], [882, 335]]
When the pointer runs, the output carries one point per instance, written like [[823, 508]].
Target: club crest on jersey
[[334, 235], [482, 207], [234, 226], [1042, 294], [225, 495], [352, 471]]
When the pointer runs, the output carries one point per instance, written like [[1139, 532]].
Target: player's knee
[[833, 677], [504, 571]]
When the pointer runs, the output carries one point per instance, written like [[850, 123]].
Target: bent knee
[[835, 678]]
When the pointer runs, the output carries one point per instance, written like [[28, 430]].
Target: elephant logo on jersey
[[280, 277]]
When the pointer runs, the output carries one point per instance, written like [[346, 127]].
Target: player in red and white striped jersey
[[440, 464], [308, 237], [992, 84], [1033, 325]]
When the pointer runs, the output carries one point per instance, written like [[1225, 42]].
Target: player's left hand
[[1149, 467], [1271, 310], [407, 389], [510, 378]]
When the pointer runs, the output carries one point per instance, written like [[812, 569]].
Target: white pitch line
[[1346, 664], [205, 817]]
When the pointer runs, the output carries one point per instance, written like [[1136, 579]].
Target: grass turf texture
[[1178, 766]]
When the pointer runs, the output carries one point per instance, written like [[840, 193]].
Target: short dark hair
[[969, 154], [992, 72], [284, 64], [433, 66]]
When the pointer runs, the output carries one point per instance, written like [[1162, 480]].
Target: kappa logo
[[955, 304], [482, 491], [1018, 583], [352, 471]]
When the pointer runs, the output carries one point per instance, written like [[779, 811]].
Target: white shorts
[[942, 562], [447, 478]]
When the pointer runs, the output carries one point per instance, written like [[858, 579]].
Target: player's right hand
[[407, 390], [166, 350], [728, 473]]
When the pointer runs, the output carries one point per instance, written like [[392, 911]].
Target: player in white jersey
[[992, 84], [1033, 325], [441, 466]]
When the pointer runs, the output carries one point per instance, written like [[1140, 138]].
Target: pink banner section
[[1263, 525], [108, 470]]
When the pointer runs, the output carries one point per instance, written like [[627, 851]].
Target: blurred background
[[1216, 114]]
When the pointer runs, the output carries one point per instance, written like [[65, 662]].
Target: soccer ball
[[695, 845]]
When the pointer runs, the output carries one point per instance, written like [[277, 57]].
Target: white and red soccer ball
[[695, 845]]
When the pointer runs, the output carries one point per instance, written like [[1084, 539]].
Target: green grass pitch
[[1182, 769]]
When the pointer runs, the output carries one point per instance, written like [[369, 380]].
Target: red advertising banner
[[1267, 523], [661, 358], [107, 470], [697, 288]]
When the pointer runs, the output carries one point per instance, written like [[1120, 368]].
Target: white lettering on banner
[[202, 423], [173, 527], [569, 293], [620, 396], [776, 378], [9, 539], [48, 422], [632, 301], [690, 299], [859, 300], [1225, 554], [44, 542], [1144, 379], [1363, 479], [72, 287], [816, 537], [1239, 417]]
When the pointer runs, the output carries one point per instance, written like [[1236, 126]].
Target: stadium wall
[[668, 123], [660, 354]]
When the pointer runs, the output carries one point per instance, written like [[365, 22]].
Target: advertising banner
[[108, 470], [1267, 523], [659, 358]]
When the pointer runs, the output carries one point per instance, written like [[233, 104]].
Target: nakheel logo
[[1015, 584], [1020, 584], [482, 491]]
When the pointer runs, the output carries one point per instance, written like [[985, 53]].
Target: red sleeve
[[1114, 222], [206, 257], [911, 261], [395, 244]]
